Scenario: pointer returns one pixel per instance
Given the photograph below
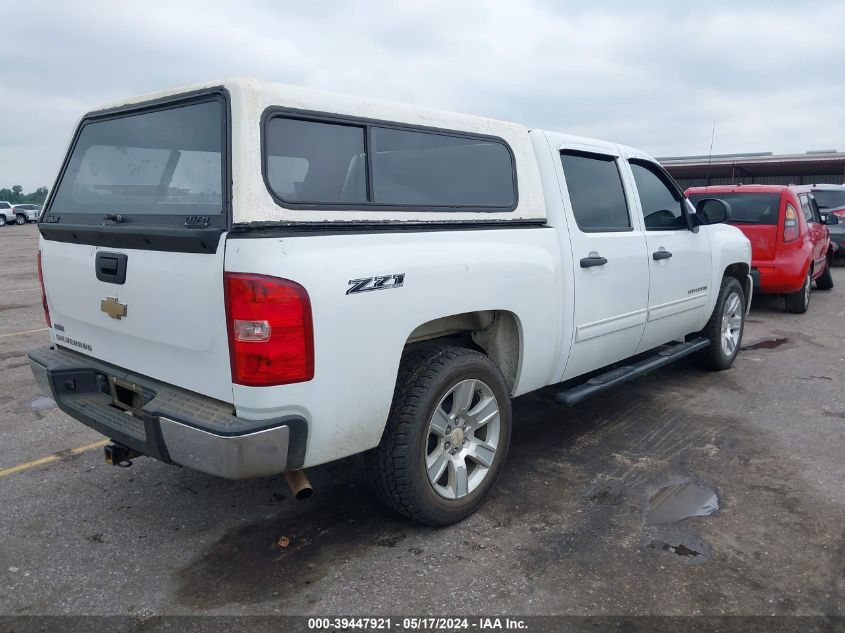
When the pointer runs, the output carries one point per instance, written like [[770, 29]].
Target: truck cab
[[249, 279]]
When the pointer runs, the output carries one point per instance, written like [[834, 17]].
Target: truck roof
[[252, 99], [340, 103]]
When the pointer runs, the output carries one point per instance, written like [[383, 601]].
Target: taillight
[[790, 224], [43, 293], [271, 338]]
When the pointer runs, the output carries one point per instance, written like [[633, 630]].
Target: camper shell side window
[[317, 161]]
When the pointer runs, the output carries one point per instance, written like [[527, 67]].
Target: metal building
[[762, 168]]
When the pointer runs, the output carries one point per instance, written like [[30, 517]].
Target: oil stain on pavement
[[766, 343]]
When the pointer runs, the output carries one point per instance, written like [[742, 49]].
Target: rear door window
[[806, 207], [814, 208], [595, 191], [167, 161]]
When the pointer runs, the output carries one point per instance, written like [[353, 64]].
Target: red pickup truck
[[790, 244]]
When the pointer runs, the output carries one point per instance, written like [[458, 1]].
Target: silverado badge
[[112, 307]]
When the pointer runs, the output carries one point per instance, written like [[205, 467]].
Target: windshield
[[829, 198], [747, 208], [167, 161]]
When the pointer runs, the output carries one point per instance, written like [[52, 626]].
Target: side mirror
[[829, 219], [712, 211]]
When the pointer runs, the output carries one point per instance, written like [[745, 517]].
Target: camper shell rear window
[[162, 163], [316, 161]]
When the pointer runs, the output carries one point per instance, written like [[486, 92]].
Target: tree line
[[15, 195]]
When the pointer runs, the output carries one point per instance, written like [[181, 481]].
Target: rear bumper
[[783, 275], [171, 425]]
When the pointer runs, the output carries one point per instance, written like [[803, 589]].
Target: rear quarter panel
[[359, 338]]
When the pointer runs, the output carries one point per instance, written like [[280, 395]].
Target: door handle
[[661, 255], [593, 260], [110, 267]]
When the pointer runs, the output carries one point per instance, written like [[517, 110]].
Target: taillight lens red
[[43, 293], [271, 337], [790, 224]]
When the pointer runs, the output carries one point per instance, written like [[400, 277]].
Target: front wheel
[[724, 329], [446, 437]]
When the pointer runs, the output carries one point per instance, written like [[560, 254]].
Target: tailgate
[[131, 241], [174, 327]]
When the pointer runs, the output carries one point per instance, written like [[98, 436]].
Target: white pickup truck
[[248, 279]]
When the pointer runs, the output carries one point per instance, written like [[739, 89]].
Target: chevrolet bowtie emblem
[[112, 307]]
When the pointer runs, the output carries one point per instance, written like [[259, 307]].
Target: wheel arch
[[495, 333], [740, 271]]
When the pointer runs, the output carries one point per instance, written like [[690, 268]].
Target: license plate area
[[126, 396]]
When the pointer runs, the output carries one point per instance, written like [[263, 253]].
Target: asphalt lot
[[564, 532]]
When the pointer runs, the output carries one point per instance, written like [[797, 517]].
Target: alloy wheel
[[463, 436], [731, 324]]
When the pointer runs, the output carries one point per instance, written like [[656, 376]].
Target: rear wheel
[[825, 280], [447, 435], [798, 302], [724, 329], [20, 220], [2, 220]]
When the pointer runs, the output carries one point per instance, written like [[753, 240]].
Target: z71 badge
[[382, 282]]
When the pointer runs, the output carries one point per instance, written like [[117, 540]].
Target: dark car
[[837, 232], [830, 199]]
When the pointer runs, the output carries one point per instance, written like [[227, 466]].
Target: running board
[[666, 354]]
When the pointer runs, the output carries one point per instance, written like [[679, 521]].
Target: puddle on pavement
[[680, 501], [44, 402], [766, 343]]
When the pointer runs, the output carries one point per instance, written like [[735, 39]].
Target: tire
[[2, 220], [432, 379], [724, 329], [20, 220], [825, 280], [798, 302]]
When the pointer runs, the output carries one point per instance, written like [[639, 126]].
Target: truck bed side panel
[[359, 337]]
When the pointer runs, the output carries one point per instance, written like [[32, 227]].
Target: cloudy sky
[[650, 74]]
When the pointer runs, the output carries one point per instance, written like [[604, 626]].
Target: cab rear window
[[167, 161], [747, 208], [336, 164]]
